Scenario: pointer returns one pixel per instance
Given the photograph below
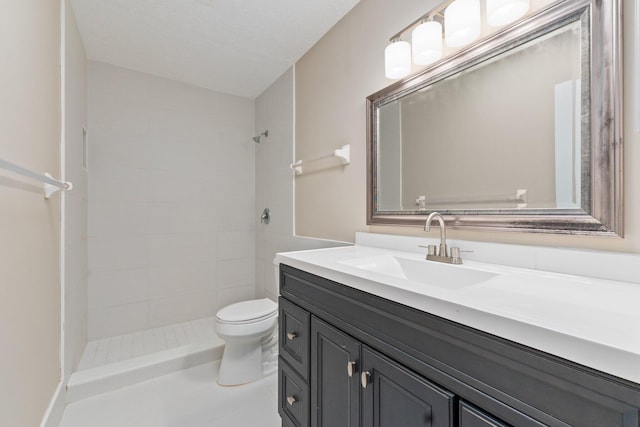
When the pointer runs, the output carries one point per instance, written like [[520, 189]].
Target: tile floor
[[188, 398]]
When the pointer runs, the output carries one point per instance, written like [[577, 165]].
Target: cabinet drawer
[[293, 396], [470, 416], [294, 336]]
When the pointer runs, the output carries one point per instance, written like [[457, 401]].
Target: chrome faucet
[[442, 255]]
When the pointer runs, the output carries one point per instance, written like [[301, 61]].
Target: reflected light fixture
[[462, 22], [502, 12], [426, 43], [397, 59]]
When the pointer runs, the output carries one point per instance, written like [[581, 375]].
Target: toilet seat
[[247, 312]]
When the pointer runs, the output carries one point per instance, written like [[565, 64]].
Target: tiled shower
[[171, 201], [176, 188]]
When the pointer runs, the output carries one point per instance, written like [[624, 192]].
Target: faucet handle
[[431, 249], [455, 254]]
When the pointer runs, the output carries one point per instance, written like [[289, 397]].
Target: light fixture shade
[[502, 12], [426, 43], [397, 60], [462, 22]]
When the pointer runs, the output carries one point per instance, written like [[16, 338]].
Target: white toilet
[[251, 341]]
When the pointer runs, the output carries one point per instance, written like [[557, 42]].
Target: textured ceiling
[[232, 46]]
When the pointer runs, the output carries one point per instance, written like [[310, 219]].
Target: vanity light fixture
[[426, 43], [502, 12], [397, 59], [462, 22]]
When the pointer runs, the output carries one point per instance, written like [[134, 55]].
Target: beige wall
[[332, 81], [29, 224]]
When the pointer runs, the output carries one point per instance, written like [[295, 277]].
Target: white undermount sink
[[422, 271]]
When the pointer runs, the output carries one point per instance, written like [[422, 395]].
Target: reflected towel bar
[[520, 198], [342, 153], [51, 185]]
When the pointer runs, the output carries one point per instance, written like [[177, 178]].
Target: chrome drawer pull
[[291, 400], [351, 368], [291, 336], [364, 379]]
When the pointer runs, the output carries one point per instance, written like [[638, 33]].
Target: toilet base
[[244, 362]]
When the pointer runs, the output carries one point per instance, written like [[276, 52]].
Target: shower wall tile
[[191, 279], [75, 202], [235, 294], [234, 244], [118, 218], [171, 200], [109, 253], [236, 272], [182, 249], [124, 319], [113, 147], [116, 183], [180, 308], [119, 287]]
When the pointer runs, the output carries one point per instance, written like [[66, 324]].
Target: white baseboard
[[54, 411]]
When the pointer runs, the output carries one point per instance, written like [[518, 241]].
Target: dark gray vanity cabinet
[[352, 359], [351, 384]]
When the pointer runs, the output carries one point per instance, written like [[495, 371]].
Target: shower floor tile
[[115, 362], [124, 347]]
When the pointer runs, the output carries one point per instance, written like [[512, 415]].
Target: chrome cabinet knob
[[291, 400], [365, 379], [351, 368], [291, 336]]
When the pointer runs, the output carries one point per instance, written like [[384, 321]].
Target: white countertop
[[590, 321]]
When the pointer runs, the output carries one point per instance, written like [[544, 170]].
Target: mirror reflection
[[504, 134], [520, 131]]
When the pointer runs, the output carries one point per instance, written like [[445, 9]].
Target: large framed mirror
[[521, 131]]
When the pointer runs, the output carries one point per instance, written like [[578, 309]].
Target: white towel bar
[[51, 185], [342, 153]]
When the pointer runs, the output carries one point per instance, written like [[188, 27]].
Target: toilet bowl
[[249, 331]]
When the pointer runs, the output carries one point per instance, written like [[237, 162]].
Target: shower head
[[257, 138]]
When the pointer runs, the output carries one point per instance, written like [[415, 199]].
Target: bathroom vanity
[[365, 343]]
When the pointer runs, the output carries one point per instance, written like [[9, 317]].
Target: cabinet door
[[394, 396], [335, 395]]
